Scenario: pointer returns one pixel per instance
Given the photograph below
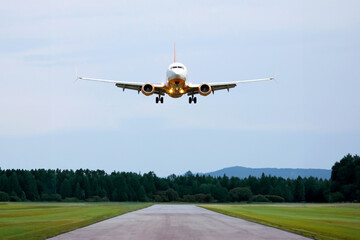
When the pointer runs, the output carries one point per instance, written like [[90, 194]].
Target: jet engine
[[204, 89], [147, 89]]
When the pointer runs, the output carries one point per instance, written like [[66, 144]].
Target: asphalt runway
[[176, 222]]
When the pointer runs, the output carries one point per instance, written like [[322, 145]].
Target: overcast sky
[[308, 118]]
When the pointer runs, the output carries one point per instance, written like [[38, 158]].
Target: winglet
[[274, 77], [174, 52], [76, 75]]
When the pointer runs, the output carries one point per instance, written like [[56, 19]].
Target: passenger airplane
[[176, 84]]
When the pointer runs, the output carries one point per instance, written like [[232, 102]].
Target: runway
[[174, 222]]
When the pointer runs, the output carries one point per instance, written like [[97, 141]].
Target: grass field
[[42, 220], [320, 221]]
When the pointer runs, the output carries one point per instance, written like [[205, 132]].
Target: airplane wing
[[194, 88], [159, 88]]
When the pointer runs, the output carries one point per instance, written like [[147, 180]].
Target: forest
[[97, 185]]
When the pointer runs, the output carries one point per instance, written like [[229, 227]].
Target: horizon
[[307, 118], [142, 173]]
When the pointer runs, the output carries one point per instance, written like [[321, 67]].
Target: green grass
[[43, 220], [320, 221]]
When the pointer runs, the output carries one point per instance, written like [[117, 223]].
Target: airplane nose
[[177, 71], [176, 74]]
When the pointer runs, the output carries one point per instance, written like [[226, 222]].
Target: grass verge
[[43, 220], [320, 221]]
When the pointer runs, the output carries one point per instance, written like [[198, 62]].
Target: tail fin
[[174, 52]]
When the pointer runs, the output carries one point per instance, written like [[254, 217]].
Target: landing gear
[[159, 99], [192, 99]]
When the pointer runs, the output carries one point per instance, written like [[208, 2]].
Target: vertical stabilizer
[[174, 52]]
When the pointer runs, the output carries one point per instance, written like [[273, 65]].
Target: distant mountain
[[243, 172]]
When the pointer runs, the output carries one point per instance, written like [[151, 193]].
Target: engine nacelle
[[147, 89], [204, 89]]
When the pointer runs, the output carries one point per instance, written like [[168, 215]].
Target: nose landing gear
[[192, 99], [159, 99]]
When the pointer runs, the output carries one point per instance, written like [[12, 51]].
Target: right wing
[[159, 88]]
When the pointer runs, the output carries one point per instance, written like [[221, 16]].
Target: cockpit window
[[177, 67]]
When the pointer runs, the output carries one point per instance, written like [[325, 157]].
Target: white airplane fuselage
[[176, 76]]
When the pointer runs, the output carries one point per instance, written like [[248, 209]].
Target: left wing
[[194, 88], [159, 88]]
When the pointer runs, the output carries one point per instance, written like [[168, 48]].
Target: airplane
[[176, 84]]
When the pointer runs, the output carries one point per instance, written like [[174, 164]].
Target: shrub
[[94, 199], [15, 199], [56, 197], [240, 194], [201, 197], [163, 196], [71, 199], [50, 197], [275, 198], [4, 197], [44, 197], [336, 197], [158, 198], [172, 195], [189, 198], [259, 198]]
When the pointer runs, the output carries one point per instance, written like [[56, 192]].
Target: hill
[[292, 173]]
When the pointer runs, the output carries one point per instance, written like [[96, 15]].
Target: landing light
[[181, 90], [171, 90]]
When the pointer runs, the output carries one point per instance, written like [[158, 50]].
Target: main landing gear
[[192, 99], [159, 99]]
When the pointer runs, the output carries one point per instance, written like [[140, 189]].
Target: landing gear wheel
[[195, 100], [162, 100], [190, 100], [157, 99]]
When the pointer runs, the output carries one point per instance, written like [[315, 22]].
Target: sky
[[308, 118]]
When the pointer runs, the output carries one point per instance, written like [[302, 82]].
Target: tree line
[[97, 185]]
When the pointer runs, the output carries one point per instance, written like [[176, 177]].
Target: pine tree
[[345, 177], [65, 189], [14, 185], [141, 195], [30, 187], [79, 192], [299, 190], [4, 183]]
